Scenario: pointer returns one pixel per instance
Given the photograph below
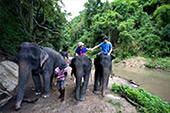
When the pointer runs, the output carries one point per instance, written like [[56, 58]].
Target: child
[[81, 50], [60, 74]]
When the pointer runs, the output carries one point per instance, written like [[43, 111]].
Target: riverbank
[[155, 81], [141, 62], [93, 103]]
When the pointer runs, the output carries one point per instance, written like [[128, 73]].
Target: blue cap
[[63, 65]]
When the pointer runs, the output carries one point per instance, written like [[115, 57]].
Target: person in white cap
[[81, 50]]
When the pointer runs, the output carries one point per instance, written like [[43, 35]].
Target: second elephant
[[81, 68], [103, 67]]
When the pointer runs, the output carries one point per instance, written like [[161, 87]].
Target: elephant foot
[[17, 106], [103, 94], [97, 92], [17, 109], [82, 98], [45, 95]]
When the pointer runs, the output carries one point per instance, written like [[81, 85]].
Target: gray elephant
[[81, 68], [34, 59], [103, 67]]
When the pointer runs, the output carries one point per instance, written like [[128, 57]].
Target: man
[[106, 47]]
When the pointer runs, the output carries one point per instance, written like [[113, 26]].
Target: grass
[[159, 63], [118, 104]]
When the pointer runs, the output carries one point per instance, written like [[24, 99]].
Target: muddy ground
[[93, 103]]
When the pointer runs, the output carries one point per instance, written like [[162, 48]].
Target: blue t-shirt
[[82, 51], [105, 47]]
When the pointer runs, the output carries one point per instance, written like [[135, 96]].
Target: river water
[[154, 81]]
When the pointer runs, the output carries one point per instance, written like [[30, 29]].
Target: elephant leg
[[84, 87], [97, 82], [37, 82], [78, 86], [106, 87], [105, 83], [51, 81], [46, 78], [100, 82]]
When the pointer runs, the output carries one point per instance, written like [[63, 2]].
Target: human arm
[[55, 80], [61, 76], [110, 49], [89, 49], [77, 52], [95, 47]]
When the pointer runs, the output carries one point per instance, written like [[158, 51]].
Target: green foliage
[[166, 33], [150, 103], [18, 24], [11, 32], [159, 63], [162, 15], [131, 29]]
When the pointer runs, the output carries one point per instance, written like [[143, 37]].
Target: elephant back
[[81, 61], [55, 57], [103, 60]]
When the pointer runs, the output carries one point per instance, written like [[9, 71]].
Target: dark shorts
[[60, 84]]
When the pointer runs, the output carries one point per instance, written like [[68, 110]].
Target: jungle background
[[136, 28]]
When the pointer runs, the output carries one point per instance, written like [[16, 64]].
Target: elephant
[[81, 68], [35, 60], [103, 68]]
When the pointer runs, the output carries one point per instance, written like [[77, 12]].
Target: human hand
[[90, 49], [55, 83]]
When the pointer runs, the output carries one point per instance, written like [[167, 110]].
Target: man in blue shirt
[[106, 47]]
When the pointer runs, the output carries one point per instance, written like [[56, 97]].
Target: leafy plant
[[150, 103]]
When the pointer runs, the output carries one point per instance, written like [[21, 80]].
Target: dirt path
[[92, 104]]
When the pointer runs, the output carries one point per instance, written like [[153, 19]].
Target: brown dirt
[[137, 62], [92, 104]]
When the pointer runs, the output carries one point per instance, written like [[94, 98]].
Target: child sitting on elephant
[[60, 74]]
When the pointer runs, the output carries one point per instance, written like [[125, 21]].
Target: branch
[[46, 39], [5, 100], [19, 12], [45, 27], [128, 99]]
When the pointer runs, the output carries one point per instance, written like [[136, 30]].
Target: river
[[154, 81]]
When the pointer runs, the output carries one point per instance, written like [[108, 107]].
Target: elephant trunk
[[105, 80], [24, 73]]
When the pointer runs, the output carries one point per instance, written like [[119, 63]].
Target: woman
[[81, 50]]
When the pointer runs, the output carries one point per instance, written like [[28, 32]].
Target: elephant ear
[[113, 56]]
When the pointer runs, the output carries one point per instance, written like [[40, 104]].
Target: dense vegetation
[[39, 21], [149, 103], [134, 27]]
